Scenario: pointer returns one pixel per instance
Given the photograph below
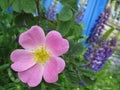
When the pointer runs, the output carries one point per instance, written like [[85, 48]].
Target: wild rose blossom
[[40, 56]]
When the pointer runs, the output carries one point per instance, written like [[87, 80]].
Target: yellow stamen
[[41, 54]]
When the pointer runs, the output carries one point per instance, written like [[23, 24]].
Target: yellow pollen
[[41, 55]]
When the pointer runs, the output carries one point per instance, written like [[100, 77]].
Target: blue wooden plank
[[88, 15], [92, 13], [99, 8], [46, 3]]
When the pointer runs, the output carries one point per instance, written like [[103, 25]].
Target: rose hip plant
[[41, 49]]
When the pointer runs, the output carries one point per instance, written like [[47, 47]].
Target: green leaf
[[43, 87], [87, 80], [65, 14], [17, 6], [52, 86], [24, 18], [108, 33], [2, 88], [76, 49], [2, 67], [86, 72], [72, 77], [75, 32], [27, 6], [78, 29], [64, 27], [71, 3], [4, 4], [51, 25]]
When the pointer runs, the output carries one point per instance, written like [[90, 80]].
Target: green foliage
[[77, 48], [64, 27], [25, 19], [106, 80], [71, 3], [12, 25], [28, 6], [65, 14], [108, 33], [4, 4]]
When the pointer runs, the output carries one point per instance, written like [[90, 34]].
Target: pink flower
[[40, 56]]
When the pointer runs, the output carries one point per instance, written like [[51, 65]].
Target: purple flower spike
[[113, 42], [99, 54], [52, 10], [99, 26], [98, 50], [81, 11]]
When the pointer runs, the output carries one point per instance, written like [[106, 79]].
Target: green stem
[[38, 10]]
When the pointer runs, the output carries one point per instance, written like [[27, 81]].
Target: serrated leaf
[[24, 5], [72, 77], [71, 43], [86, 72], [64, 27], [17, 6], [65, 14], [75, 33], [22, 18], [28, 6], [71, 3], [87, 80], [77, 30], [77, 49], [53, 86]]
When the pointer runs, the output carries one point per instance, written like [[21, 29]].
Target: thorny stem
[[38, 10]]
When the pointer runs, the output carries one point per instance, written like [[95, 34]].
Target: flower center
[[41, 54]]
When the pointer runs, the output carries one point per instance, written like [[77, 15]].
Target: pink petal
[[32, 38], [56, 43], [32, 76], [22, 60], [50, 71], [20, 54], [60, 64]]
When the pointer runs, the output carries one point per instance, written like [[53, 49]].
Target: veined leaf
[[65, 14], [108, 33]]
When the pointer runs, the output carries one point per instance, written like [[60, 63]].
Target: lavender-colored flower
[[89, 53], [52, 10], [80, 12], [79, 17], [113, 42], [81, 84], [99, 26], [98, 50], [99, 54]]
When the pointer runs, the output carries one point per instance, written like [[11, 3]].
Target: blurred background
[[14, 20]]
